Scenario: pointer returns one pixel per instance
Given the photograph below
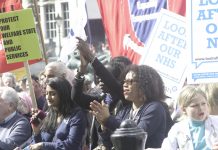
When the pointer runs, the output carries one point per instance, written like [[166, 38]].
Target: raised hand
[[83, 64], [84, 50]]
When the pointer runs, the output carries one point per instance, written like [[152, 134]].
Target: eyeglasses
[[130, 81]]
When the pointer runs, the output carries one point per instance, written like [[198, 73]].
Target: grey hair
[[58, 68], [9, 75], [9, 95], [61, 70]]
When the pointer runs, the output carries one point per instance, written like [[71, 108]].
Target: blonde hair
[[187, 94], [211, 91]]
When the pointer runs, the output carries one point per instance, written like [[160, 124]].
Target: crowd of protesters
[[75, 112]]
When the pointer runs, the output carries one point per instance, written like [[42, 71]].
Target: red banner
[[128, 23], [177, 6], [4, 67], [5, 6], [10, 5]]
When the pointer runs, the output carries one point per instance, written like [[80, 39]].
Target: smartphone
[[39, 117]]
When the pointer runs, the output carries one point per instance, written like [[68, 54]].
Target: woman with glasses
[[144, 88]]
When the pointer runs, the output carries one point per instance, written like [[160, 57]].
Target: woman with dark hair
[[65, 123], [144, 88]]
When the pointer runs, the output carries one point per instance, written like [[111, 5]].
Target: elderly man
[[9, 79], [56, 69], [14, 128]]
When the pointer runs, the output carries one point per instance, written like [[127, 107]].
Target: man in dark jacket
[[15, 129]]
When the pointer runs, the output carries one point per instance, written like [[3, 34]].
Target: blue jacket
[[14, 132], [152, 117], [68, 136]]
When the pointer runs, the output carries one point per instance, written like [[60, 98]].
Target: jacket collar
[[8, 118]]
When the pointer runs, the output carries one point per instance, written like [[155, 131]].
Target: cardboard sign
[[19, 35], [167, 51], [202, 41]]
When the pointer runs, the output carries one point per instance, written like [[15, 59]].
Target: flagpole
[[32, 95], [88, 27], [40, 30]]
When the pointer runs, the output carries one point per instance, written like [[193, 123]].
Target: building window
[[50, 21], [66, 22]]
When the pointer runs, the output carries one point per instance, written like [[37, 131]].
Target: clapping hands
[[100, 111]]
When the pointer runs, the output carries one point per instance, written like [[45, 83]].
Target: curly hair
[[150, 82]]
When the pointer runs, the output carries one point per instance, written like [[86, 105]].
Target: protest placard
[[20, 40], [202, 41], [166, 50], [19, 35]]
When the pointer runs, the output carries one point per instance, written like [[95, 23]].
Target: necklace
[[133, 113]]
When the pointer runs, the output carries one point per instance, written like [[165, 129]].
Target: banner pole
[[29, 79], [40, 30]]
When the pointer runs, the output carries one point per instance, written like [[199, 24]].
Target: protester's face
[[4, 109], [49, 73], [41, 79], [52, 97], [130, 87], [101, 84], [198, 109], [22, 85], [8, 82]]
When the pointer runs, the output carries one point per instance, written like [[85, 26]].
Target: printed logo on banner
[[143, 15]]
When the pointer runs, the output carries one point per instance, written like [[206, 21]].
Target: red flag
[[128, 24], [4, 67], [10, 5], [5, 6], [177, 6]]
